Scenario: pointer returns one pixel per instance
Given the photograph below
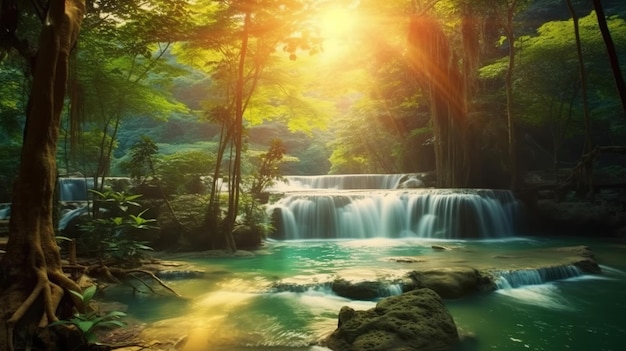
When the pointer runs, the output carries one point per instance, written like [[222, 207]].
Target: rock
[[452, 282], [439, 248], [362, 290], [246, 237], [416, 320], [577, 217], [588, 265]]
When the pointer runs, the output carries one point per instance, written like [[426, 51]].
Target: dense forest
[[220, 98], [333, 81]]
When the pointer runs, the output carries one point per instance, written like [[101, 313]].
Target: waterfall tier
[[74, 188], [423, 213], [524, 277], [351, 182]]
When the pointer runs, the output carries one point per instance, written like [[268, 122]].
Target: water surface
[[234, 306]]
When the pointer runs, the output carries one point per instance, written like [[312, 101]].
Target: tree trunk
[[508, 83], [32, 282], [235, 181], [583, 88], [611, 52], [431, 57]]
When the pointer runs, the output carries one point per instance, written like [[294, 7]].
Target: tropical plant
[[115, 235], [268, 170], [142, 159], [89, 322], [181, 172]]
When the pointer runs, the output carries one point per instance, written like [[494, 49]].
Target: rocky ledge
[[416, 320], [453, 275]]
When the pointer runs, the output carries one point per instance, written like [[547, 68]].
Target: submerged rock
[[452, 282], [363, 290], [415, 320]]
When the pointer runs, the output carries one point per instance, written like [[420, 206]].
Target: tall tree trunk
[[508, 83], [31, 278], [235, 181], [611, 52], [431, 57], [588, 167]]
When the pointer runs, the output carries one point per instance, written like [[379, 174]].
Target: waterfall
[[340, 182], [336, 213], [74, 189], [524, 277]]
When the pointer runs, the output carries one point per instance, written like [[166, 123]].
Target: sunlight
[[337, 26], [337, 23]]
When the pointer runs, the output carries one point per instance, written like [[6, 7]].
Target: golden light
[[337, 23], [337, 26]]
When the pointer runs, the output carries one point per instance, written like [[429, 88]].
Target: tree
[[122, 70], [582, 73], [611, 52], [432, 57], [31, 276], [268, 170], [238, 44]]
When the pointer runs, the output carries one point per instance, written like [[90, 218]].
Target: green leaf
[[84, 326], [77, 294], [116, 314], [89, 293], [101, 195]]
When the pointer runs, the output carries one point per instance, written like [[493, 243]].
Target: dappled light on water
[[283, 298]]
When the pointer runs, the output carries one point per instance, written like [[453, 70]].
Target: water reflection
[[238, 310]]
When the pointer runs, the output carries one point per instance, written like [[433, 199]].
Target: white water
[[74, 188], [321, 207], [338, 182], [523, 277]]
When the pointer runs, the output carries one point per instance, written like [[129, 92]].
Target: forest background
[[341, 98], [174, 93]]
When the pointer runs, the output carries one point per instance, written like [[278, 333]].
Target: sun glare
[[337, 23]]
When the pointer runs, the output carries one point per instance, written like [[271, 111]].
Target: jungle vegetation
[[180, 95]]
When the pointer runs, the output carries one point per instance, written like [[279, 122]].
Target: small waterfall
[[74, 189], [68, 216], [406, 213], [340, 182], [524, 277], [5, 211]]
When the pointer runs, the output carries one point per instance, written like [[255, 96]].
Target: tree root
[[115, 275], [154, 277], [51, 293]]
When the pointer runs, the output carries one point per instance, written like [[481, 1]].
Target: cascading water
[[321, 213], [524, 277], [347, 181], [74, 189]]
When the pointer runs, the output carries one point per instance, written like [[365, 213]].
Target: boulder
[[246, 237], [361, 290], [415, 320], [452, 282]]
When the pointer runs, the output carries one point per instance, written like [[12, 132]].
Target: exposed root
[[56, 294], [117, 274], [66, 284], [155, 278]]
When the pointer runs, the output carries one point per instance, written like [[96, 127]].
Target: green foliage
[[254, 215], [114, 236], [86, 158], [268, 168], [89, 322], [181, 172], [142, 159]]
